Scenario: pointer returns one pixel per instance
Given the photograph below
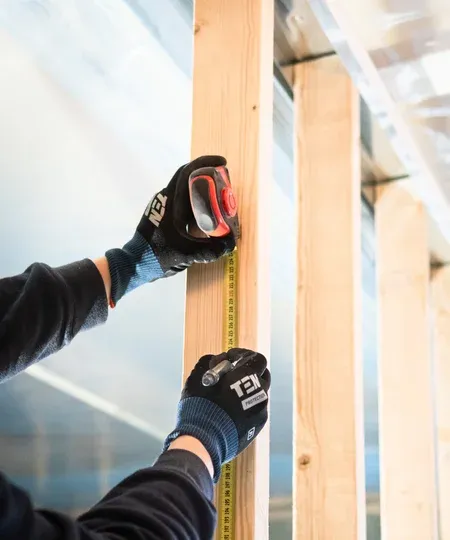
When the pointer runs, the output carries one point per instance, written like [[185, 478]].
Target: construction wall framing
[[232, 116]]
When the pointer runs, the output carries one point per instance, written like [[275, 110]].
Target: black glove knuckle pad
[[241, 393]]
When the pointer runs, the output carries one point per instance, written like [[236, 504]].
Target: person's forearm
[[43, 309], [185, 442], [172, 499]]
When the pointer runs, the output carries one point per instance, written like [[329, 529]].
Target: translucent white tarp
[[398, 52]]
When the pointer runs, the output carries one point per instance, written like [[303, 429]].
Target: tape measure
[[227, 485], [215, 211]]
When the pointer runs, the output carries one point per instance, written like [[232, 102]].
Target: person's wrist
[[193, 445], [103, 269], [207, 422], [132, 266]]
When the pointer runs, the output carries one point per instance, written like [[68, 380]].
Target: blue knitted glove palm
[[161, 245], [226, 417]]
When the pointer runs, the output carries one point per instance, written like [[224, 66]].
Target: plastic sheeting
[[95, 115], [398, 52]]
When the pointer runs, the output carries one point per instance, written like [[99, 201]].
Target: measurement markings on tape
[[227, 484]]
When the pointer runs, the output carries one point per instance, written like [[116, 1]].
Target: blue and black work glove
[[228, 416], [162, 245]]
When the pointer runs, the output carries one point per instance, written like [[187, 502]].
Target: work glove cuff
[[211, 425], [132, 266]]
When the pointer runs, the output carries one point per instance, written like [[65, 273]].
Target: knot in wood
[[303, 461]]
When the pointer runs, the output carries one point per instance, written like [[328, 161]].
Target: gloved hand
[[161, 245], [228, 416]]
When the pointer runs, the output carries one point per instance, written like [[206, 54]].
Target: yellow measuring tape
[[227, 484]]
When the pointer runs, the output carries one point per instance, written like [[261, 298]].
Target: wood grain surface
[[329, 501], [406, 416], [440, 287], [232, 116]]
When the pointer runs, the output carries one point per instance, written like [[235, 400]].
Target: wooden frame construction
[[329, 495], [232, 116], [441, 318], [406, 419]]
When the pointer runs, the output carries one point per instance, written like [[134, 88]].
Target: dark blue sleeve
[[44, 308], [169, 501]]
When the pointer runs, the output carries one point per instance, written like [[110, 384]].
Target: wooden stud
[[441, 319], [232, 116], [329, 494], [407, 458]]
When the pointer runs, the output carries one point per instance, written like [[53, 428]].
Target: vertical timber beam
[[407, 450], [232, 116], [329, 494], [441, 319]]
